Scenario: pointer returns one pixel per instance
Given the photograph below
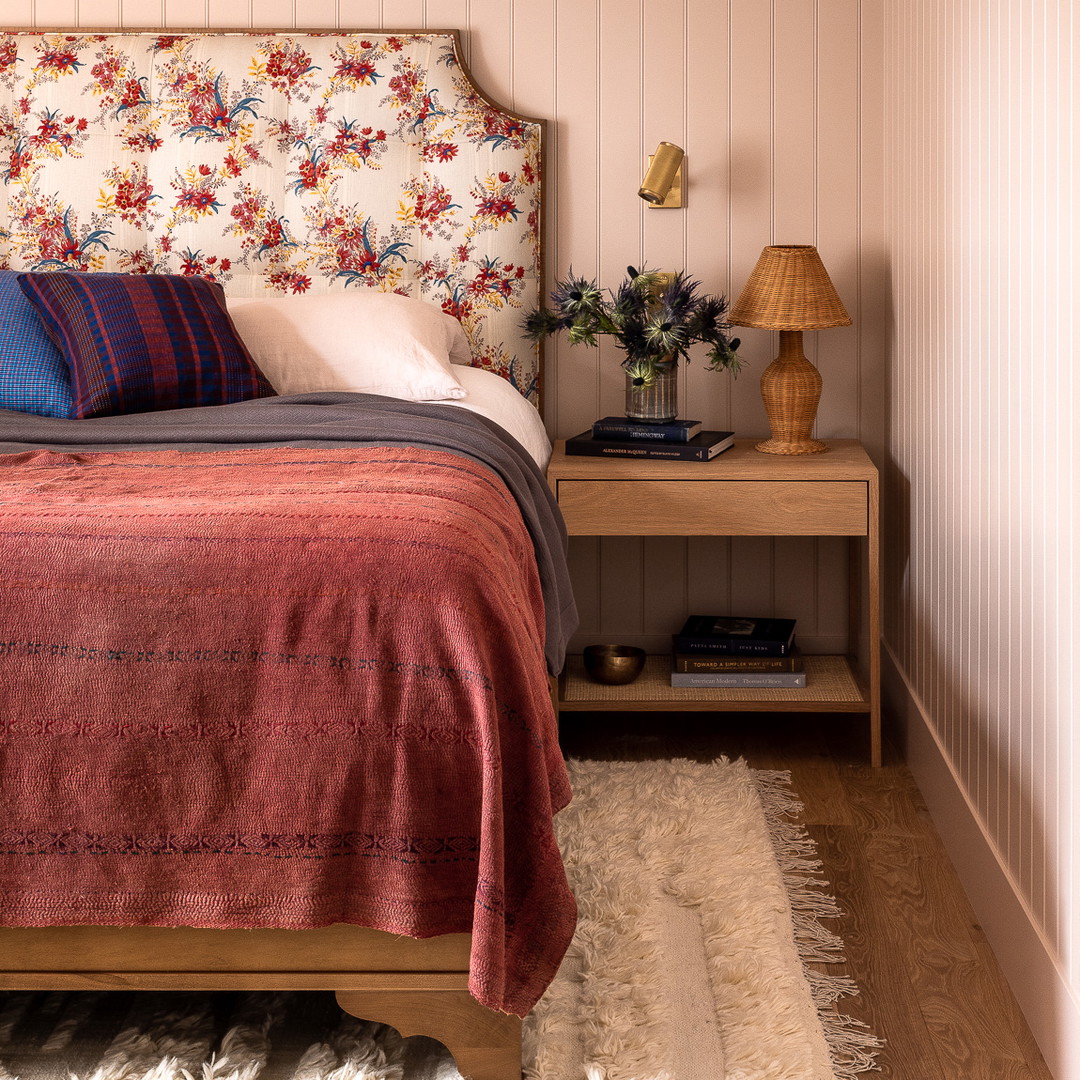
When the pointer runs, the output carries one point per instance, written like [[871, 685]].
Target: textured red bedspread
[[279, 688]]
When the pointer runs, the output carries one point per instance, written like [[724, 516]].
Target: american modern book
[[728, 635], [620, 427], [706, 662], [702, 447], [740, 681]]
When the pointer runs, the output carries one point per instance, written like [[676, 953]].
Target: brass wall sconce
[[662, 187]]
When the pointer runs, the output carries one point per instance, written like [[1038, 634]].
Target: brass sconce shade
[[662, 187], [789, 290]]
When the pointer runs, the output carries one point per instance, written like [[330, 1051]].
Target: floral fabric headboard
[[276, 162]]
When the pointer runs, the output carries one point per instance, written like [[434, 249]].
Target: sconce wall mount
[[663, 185]]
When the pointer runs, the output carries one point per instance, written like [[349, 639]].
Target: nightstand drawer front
[[713, 507]]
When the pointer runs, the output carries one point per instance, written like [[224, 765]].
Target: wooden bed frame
[[419, 987]]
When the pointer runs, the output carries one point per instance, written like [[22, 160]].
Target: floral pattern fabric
[[275, 164]]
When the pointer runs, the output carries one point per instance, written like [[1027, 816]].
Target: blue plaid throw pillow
[[144, 342], [33, 375]]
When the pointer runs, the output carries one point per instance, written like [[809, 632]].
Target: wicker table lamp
[[790, 291]]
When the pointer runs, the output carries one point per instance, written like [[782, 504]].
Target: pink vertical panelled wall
[[982, 581], [775, 103]]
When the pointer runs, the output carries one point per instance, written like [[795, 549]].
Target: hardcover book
[[620, 427], [702, 447], [733, 635], [706, 662], [734, 680]]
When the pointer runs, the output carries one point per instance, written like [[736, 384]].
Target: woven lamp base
[[791, 389], [782, 446]]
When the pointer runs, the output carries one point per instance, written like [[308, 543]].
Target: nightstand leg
[[873, 574]]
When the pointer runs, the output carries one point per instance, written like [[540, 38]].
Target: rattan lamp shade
[[790, 291]]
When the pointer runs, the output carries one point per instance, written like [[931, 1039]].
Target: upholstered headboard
[[277, 162]]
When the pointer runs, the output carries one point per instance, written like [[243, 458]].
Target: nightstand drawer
[[713, 507]]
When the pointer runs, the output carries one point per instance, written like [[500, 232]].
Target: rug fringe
[[852, 1046]]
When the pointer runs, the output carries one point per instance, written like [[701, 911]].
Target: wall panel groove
[[982, 582]]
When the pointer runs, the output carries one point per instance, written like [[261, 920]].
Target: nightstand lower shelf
[[831, 686]]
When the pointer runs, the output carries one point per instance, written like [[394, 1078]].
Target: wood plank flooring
[[929, 984]]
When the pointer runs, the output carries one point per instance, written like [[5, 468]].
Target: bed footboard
[[486, 1045], [419, 987]]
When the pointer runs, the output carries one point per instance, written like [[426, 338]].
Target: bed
[[280, 607]]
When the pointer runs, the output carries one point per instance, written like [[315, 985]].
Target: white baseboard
[[1026, 957]]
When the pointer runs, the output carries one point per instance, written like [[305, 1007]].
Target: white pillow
[[364, 341], [492, 396]]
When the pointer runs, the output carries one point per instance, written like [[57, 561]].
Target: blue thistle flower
[[652, 324]]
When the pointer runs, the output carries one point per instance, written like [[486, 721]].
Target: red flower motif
[[357, 70], [59, 61], [272, 235], [504, 177], [194, 199], [440, 151], [133, 195], [289, 65], [458, 308], [495, 207], [132, 93], [311, 174], [289, 280]]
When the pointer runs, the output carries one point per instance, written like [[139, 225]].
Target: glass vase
[[655, 403]]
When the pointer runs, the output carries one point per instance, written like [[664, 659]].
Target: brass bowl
[[613, 665]]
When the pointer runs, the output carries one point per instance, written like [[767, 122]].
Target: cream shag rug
[[699, 911]]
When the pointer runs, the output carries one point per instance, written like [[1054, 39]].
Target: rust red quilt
[[279, 687]]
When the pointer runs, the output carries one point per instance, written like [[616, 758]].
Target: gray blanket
[[335, 420]]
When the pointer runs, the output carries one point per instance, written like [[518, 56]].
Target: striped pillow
[[33, 375], [144, 342]]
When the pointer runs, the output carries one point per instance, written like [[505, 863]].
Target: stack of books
[[736, 652], [681, 440]]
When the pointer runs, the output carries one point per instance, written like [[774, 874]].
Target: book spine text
[[736, 647], [653, 432], [705, 663], [782, 679]]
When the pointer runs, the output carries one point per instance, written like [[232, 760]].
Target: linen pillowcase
[[33, 375], [144, 342], [363, 341]]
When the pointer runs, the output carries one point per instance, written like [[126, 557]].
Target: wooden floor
[[929, 983]]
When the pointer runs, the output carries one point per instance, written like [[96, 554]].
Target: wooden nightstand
[[739, 493]]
